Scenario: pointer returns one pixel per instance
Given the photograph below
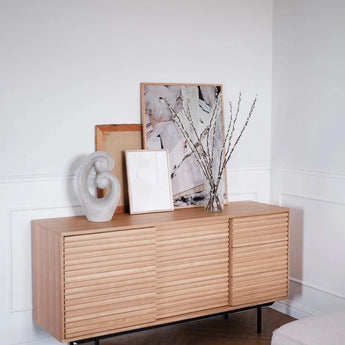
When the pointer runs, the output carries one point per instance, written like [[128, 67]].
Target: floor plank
[[237, 329]]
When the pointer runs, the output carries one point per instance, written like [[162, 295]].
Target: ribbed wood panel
[[109, 281], [259, 288], [255, 230], [259, 259], [192, 266], [92, 279]]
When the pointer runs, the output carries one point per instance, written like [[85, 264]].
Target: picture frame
[[160, 131], [116, 139], [149, 184]]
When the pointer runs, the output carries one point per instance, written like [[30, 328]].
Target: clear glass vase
[[214, 198]]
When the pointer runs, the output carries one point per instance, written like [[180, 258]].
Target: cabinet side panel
[[46, 280]]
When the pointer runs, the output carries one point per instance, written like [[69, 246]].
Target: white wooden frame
[[149, 183]]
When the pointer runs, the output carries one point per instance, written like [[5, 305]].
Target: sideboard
[[138, 271]]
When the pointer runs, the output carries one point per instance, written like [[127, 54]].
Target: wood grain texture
[[192, 266], [238, 209], [47, 277], [122, 303], [259, 258], [92, 279]]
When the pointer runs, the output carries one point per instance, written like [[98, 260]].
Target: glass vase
[[214, 198]]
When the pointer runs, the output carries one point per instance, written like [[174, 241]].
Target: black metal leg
[[258, 320], [96, 341]]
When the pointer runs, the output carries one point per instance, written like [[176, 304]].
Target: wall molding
[[249, 195], [310, 172], [317, 288], [11, 214], [312, 198], [294, 309], [36, 178], [317, 199], [298, 310], [247, 169], [44, 340], [46, 177]]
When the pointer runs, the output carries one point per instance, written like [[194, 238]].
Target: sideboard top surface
[[80, 224]]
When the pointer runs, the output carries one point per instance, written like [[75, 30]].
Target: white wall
[[67, 65], [308, 141]]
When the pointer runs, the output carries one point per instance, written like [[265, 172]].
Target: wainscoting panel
[[20, 242], [22, 200], [317, 238], [249, 184]]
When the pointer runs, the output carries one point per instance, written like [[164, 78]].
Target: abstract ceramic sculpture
[[98, 209]]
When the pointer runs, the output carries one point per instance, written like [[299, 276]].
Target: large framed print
[[149, 184], [160, 131]]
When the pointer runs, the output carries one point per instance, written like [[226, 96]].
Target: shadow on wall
[[71, 185], [296, 249]]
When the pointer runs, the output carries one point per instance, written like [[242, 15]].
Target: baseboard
[[307, 299], [39, 341], [293, 309]]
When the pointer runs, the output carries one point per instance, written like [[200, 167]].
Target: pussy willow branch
[[215, 117], [230, 150], [234, 123], [213, 121], [188, 115], [205, 156], [192, 145], [226, 138]]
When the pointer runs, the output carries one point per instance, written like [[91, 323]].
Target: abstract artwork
[[160, 131]]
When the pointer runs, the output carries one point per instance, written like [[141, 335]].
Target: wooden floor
[[238, 329]]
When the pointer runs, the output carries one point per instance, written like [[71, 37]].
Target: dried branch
[[203, 146]]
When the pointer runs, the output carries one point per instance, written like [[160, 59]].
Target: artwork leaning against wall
[[162, 131]]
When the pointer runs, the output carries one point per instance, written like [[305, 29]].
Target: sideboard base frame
[[258, 308]]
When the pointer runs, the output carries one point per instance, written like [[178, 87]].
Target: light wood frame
[[149, 184], [115, 139], [187, 179]]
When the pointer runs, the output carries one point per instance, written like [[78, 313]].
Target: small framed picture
[[116, 139], [149, 184]]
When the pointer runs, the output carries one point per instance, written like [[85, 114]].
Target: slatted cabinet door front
[[109, 281], [259, 258], [192, 266]]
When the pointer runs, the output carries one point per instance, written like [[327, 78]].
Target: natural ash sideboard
[[138, 271]]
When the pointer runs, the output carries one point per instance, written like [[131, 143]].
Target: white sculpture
[[98, 209]]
